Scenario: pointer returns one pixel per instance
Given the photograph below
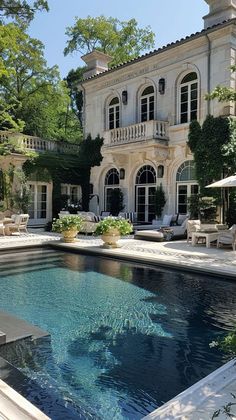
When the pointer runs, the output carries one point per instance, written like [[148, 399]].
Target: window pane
[[193, 115], [184, 118], [194, 94], [189, 77], [194, 189], [184, 107], [184, 97], [193, 105], [148, 90]]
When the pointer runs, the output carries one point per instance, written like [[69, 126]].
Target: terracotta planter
[[110, 238], [69, 235]]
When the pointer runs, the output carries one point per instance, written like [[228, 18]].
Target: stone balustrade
[[37, 144], [137, 132]]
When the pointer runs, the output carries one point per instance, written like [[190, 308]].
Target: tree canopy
[[21, 10], [222, 93], [33, 97], [122, 40], [214, 148]]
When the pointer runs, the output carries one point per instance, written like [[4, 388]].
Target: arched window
[[188, 98], [147, 104], [112, 177], [112, 181], [146, 175], [145, 193], [114, 114], [186, 185]]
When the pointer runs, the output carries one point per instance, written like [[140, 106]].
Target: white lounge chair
[[20, 224], [192, 226], [227, 237]]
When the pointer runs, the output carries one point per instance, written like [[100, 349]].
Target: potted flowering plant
[[111, 228], [68, 225]]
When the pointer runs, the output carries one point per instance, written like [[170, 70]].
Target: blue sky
[[170, 20]]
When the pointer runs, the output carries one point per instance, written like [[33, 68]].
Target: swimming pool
[[124, 338]]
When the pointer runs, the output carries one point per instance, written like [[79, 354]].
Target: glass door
[[39, 204], [184, 191], [145, 203]]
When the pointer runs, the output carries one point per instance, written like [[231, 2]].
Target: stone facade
[[143, 108]]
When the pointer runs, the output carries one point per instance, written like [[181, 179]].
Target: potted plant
[[116, 201], [69, 226], [159, 201], [111, 228]]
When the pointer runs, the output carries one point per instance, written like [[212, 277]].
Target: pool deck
[[200, 401]]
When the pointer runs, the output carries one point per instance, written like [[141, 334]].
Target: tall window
[[188, 98], [112, 181], [114, 114], [145, 194], [147, 104], [73, 192], [186, 185]]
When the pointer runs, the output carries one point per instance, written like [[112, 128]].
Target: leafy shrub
[[124, 226], [70, 222]]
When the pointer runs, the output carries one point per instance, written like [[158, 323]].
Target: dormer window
[[189, 98], [114, 114], [147, 104]]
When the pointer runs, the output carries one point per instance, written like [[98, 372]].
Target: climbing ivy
[[66, 168], [214, 146]]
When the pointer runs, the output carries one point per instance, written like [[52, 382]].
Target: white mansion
[[143, 108]]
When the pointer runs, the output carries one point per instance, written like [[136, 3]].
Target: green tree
[[160, 200], [116, 201], [208, 145], [122, 40], [32, 95], [21, 10], [72, 79], [48, 114], [222, 93]]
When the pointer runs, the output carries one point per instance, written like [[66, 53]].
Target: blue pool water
[[124, 338]]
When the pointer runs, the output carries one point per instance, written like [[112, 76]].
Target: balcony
[[24, 142], [149, 130]]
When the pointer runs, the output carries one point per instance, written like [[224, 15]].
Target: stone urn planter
[[68, 226], [111, 229], [111, 238], [69, 235]]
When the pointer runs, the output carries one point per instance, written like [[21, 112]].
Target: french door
[[184, 191], [40, 203], [145, 199]]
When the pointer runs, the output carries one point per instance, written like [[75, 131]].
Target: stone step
[[2, 338]]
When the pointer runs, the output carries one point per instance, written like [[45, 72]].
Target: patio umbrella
[[228, 182]]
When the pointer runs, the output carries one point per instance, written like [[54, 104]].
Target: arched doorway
[[145, 193], [186, 185]]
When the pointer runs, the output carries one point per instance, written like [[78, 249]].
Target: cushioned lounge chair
[[227, 238], [20, 224], [192, 226]]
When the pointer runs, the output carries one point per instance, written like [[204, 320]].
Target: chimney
[[220, 10], [97, 62]]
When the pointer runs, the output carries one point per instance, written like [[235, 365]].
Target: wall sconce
[[160, 171], [125, 97], [161, 86], [122, 173]]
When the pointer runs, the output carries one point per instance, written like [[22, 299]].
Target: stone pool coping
[[203, 399], [208, 396], [15, 407]]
